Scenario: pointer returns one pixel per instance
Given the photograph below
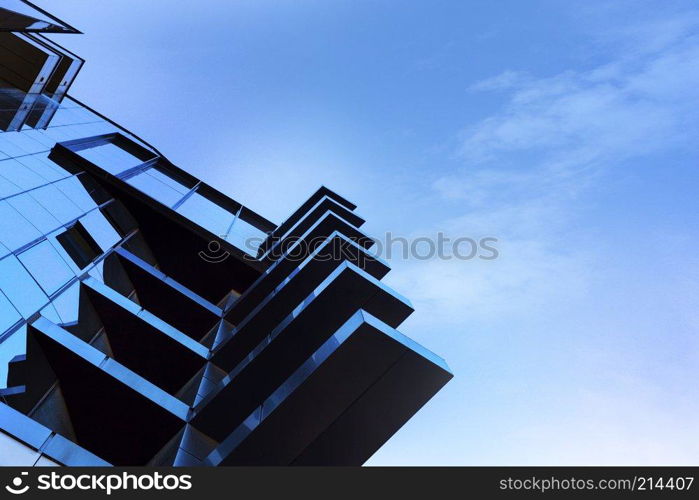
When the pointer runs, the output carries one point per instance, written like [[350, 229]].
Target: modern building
[[146, 318]]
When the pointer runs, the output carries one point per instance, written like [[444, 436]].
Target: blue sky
[[566, 131]]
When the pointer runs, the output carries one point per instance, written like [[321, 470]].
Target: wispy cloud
[[526, 167], [528, 172]]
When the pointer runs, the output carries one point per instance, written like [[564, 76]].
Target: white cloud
[[527, 165], [563, 357]]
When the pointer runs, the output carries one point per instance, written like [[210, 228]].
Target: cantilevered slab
[[308, 274], [278, 271], [339, 406], [262, 362], [116, 414], [277, 244], [144, 343], [301, 212], [168, 299], [345, 289]]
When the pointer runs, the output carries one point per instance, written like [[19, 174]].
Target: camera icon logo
[[16, 488]]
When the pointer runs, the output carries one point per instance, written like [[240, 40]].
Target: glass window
[[100, 229], [79, 245], [8, 188], [246, 236], [14, 345], [15, 230], [39, 137], [44, 461], [49, 312], [38, 20], [67, 304], [168, 180], [52, 199], [18, 286], [9, 147], [8, 314], [74, 189], [110, 157], [34, 212], [46, 266], [156, 189], [97, 271], [23, 142], [207, 214], [15, 453], [18, 174], [41, 168]]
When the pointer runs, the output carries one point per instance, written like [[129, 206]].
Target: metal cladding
[[146, 318]]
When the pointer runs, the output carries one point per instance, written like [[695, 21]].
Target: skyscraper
[[146, 318]]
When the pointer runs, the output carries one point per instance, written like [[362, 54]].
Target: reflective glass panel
[[18, 286], [34, 212], [110, 157], [100, 229], [8, 314], [15, 230], [47, 267], [74, 189], [207, 214], [12, 346], [15, 453], [67, 304], [8, 188], [246, 236], [155, 188], [42, 168], [53, 199], [20, 175]]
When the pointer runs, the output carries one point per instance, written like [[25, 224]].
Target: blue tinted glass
[[46, 462], [74, 189], [246, 236], [67, 116], [51, 198], [18, 285], [51, 238], [41, 168], [207, 214], [15, 230], [46, 266], [12, 346], [110, 157], [8, 188], [49, 312], [15, 453], [97, 271], [39, 137], [155, 189], [9, 146], [59, 134], [23, 142], [8, 314], [168, 180], [18, 174], [67, 304], [100, 229], [34, 212]]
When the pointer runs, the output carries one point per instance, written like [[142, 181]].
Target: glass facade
[[126, 283]]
